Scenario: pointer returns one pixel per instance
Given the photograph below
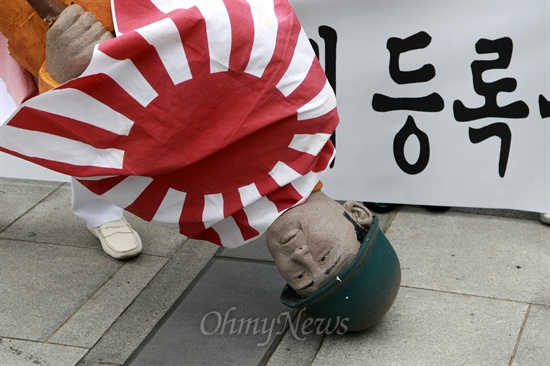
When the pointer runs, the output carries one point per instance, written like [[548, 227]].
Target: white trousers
[[91, 208]]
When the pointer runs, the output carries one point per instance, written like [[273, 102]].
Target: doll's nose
[[299, 254]]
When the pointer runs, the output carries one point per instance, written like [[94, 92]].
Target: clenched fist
[[70, 43]]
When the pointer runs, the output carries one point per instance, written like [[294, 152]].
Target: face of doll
[[313, 242]]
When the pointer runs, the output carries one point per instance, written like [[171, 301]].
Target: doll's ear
[[359, 212]]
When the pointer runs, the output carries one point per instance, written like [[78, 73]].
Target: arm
[[70, 43]]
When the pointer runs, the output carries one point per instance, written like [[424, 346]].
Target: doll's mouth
[[306, 286]]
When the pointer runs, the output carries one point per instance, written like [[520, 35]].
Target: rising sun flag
[[210, 117]]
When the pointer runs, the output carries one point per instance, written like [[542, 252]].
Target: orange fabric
[[318, 186], [13, 13], [26, 32], [27, 45], [45, 81]]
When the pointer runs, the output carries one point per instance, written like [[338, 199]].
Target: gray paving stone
[[156, 240], [133, 326], [94, 363], [18, 196], [52, 221], [474, 254], [515, 214], [24, 353], [298, 346], [231, 316], [432, 328], [534, 348], [256, 250], [93, 319], [57, 286], [385, 220], [43, 285]]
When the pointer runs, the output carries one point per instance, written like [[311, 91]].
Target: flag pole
[[48, 10]]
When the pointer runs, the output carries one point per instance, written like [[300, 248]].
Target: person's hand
[[70, 43]]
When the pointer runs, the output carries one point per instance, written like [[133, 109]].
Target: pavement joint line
[[106, 283], [173, 307], [86, 302], [85, 247], [277, 340], [248, 260], [392, 218], [40, 342], [145, 286], [152, 328], [32, 207], [318, 349], [472, 295], [28, 241], [518, 340], [184, 295]]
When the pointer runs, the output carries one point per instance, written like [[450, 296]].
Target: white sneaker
[[118, 239], [545, 218]]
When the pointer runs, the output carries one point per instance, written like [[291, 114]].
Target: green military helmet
[[360, 295]]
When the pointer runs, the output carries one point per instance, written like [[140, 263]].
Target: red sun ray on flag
[[209, 117]]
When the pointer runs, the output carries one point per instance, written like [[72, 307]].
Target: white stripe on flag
[[260, 211], [39, 144], [213, 209], [305, 184], [165, 37], [249, 194], [283, 174], [299, 66], [265, 35], [218, 32], [310, 144], [169, 211], [229, 233], [167, 6], [74, 104], [323, 103], [125, 74], [127, 191], [218, 27]]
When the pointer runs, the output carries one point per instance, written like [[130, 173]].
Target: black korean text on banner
[[430, 103], [519, 109], [330, 37], [544, 107]]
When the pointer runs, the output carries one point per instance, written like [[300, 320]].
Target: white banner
[[441, 102]]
